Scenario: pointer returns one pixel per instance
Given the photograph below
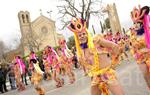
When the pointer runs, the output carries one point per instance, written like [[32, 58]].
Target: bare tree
[[79, 8], [16, 42], [102, 28], [3, 50], [34, 41]]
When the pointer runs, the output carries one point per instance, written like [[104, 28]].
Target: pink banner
[[147, 30], [21, 65]]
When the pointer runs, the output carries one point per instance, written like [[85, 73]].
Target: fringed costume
[[37, 76], [141, 40], [66, 60], [19, 70], [100, 75], [53, 60]]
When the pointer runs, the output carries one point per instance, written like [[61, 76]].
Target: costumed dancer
[[47, 63], [53, 58], [66, 59], [95, 60], [31, 67], [122, 45], [147, 34], [141, 41], [37, 76], [19, 70]]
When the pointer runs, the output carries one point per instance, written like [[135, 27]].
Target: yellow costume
[[99, 76]]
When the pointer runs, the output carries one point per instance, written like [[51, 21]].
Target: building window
[[44, 30], [23, 18], [27, 17]]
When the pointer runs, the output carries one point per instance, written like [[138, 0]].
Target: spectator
[[24, 75], [11, 75], [3, 74]]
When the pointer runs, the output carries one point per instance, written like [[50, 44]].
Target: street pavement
[[128, 73]]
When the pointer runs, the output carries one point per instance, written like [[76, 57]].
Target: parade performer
[[33, 55], [141, 41], [19, 69], [53, 59], [31, 67], [122, 44], [62, 67], [47, 62], [37, 76], [66, 60], [95, 60]]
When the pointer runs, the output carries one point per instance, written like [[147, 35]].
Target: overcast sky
[[9, 9]]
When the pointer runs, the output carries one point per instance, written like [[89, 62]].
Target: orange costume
[[47, 69], [140, 36], [139, 47], [18, 78], [66, 57], [53, 60]]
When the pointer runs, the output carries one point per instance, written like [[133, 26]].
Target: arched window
[[23, 18], [27, 17]]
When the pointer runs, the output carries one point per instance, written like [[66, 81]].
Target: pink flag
[[147, 30]]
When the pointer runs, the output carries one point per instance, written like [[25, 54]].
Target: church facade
[[37, 34]]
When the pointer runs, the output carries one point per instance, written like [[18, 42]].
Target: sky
[[10, 29]]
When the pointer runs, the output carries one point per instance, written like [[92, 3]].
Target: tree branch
[[69, 2], [83, 7], [87, 10]]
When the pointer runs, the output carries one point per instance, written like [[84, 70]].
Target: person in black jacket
[[5, 72], [1, 80]]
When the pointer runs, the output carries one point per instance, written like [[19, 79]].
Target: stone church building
[[38, 33]]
